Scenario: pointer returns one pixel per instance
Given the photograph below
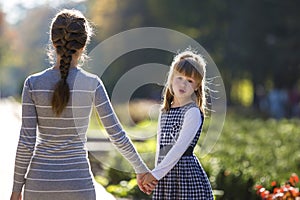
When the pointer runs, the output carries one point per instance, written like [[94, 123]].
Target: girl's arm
[[115, 131], [157, 139], [27, 138], [191, 124]]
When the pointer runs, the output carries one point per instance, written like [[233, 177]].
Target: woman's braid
[[69, 33]]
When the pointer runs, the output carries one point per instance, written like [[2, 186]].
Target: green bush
[[249, 151], [254, 151], [128, 189]]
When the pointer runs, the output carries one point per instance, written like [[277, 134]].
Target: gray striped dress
[[51, 159]]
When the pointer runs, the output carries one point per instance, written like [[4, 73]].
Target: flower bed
[[288, 191]]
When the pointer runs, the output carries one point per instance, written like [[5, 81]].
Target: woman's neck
[[74, 62]]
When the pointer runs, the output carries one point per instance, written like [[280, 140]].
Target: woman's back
[[52, 161], [59, 164], [71, 126]]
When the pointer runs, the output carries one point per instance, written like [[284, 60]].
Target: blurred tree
[[205, 21], [263, 41], [260, 38], [112, 16], [34, 38], [8, 43], [10, 59], [24, 50], [254, 40], [1, 35]]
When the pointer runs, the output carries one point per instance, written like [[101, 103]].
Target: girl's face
[[183, 86]]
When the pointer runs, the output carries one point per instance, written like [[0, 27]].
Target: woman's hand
[[16, 196], [140, 180], [149, 183]]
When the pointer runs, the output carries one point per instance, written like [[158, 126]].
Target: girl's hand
[[149, 183], [16, 196]]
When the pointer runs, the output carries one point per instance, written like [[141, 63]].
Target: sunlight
[[16, 9]]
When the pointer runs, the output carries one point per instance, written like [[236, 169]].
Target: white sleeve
[[191, 124], [158, 139]]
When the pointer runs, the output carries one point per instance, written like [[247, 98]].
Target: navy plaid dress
[[187, 179]]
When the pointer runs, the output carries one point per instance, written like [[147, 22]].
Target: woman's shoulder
[[88, 74], [42, 75], [88, 77], [86, 80], [78, 71]]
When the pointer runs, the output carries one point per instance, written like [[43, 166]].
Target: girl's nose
[[185, 82]]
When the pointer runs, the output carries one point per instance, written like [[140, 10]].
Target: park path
[[10, 121]]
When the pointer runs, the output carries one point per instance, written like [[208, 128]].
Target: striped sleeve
[[115, 131], [27, 138]]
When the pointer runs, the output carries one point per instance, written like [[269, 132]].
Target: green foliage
[[254, 151], [249, 151], [235, 186], [260, 148], [119, 170], [102, 180], [127, 189]]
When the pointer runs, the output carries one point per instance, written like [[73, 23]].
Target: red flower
[[273, 184], [276, 190], [257, 187], [294, 179], [265, 193], [285, 192]]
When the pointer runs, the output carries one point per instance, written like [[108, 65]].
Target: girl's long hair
[[192, 65]]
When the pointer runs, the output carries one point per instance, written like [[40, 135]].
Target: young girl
[[179, 172], [52, 163]]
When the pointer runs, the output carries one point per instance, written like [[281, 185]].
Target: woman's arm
[[16, 196], [27, 138], [191, 124], [115, 131]]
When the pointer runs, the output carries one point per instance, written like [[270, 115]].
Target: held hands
[[149, 182], [146, 182]]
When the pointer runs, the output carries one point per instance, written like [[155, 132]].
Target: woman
[[52, 163]]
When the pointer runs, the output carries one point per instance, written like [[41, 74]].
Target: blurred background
[[255, 44]]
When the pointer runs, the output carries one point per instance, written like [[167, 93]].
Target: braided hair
[[70, 33]]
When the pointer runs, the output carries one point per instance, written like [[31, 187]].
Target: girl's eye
[[191, 81]]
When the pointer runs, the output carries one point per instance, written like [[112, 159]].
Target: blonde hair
[[192, 65]]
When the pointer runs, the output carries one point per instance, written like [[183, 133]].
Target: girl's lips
[[181, 91]]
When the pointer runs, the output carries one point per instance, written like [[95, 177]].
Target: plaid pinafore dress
[[187, 179]]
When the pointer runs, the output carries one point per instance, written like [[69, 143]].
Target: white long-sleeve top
[[191, 124]]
